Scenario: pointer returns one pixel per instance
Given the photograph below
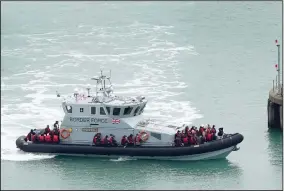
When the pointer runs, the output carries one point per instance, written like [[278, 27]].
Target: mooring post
[[276, 83], [273, 85]]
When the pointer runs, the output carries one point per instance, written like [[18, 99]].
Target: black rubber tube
[[224, 143]]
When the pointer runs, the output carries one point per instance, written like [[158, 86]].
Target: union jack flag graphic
[[115, 121]]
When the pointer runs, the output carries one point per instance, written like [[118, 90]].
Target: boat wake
[[122, 159]]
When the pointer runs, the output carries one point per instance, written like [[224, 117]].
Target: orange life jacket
[[192, 140], [130, 139], [209, 137], [123, 141], [47, 138], [55, 139], [185, 140], [137, 139], [95, 140], [33, 138], [41, 138]]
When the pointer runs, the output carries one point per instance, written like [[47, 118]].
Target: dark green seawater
[[196, 62]]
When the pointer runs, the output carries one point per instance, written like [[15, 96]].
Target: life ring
[[67, 134], [144, 136]]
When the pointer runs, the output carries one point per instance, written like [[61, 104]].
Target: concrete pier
[[275, 109], [275, 100]]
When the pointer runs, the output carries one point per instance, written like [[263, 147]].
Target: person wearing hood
[[220, 133], [112, 140], [130, 140], [29, 136], [124, 140], [105, 141], [137, 140]]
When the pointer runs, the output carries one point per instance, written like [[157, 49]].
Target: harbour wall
[[275, 109]]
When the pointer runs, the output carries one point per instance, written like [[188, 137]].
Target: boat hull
[[212, 150]]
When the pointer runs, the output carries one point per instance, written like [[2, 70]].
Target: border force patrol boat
[[88, 117]]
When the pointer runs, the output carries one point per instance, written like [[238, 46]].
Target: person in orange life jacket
[[41, 138], [185, 140], [193, 138], [203, 137], [47, 130], [177, 133], [137, 140], [95, 139], [208, 131], [33, 138], [124, 140], [130, 140], [112, 140], [55, 139], [51, 133], [201, 130], [186, 130], [213, 130], [209, 137], [29, 136], [99, 139], [47, 138], [189, 133], [176, 137], [105, 141], [196, 131]]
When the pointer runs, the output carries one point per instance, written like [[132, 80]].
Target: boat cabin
[[104, 112]]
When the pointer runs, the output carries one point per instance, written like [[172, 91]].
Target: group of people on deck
[[47, 136], [98, 140], [196, 136]]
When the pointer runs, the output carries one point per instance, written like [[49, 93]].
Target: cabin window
[[93, 110], [127, 110], [102, 111], [136, 110], [156, 135], [81, 110], [108, 110], [116, 111], [69, 108]]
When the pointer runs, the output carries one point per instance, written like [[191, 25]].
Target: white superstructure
[[87, 114]]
